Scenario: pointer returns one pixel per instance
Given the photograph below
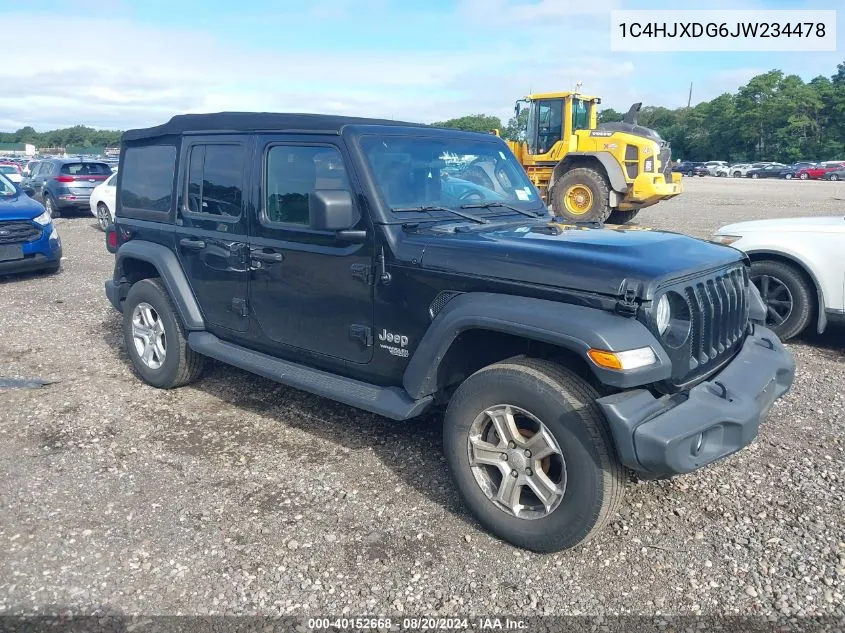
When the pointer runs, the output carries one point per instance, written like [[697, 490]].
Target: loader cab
[[554, 117]]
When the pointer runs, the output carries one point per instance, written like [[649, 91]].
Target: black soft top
[[254, 121]]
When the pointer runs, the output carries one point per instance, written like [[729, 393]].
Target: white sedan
[[797, 265], [103, 199]]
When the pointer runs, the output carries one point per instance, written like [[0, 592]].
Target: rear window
[[86, 169], [8, 169], [146, 183]]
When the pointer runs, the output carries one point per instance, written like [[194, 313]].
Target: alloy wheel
[[517, 462], [777, 298], [148, 336]]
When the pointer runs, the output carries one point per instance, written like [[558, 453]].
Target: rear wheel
[[755, 176], [787, 294], [531, 454], [737, 174], [834, 177], [103, 216], [804, 176], [788, 176], [155, 339], [50, 206], [618, 216], [582, 195]]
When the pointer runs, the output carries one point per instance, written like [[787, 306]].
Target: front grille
[[17, 232], [719, 314]]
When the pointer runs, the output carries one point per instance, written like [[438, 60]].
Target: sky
[[134, 63]]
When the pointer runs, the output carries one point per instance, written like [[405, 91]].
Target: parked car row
[[802, 170]]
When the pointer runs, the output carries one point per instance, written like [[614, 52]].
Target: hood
[[19, 207], [821, 224], [584, 258]]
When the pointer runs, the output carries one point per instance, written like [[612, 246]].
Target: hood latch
[[627, 304]]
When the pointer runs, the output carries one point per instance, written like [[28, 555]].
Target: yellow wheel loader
[[589, 172]]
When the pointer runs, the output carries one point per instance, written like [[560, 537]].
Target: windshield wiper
[[427, 209], [490, 205]]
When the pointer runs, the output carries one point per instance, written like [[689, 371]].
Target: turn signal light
[[620, 361]]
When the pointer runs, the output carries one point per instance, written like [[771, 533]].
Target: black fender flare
[[172, 275], [575, 328], [612, 168]]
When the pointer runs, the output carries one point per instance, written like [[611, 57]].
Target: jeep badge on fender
[[405, 269]]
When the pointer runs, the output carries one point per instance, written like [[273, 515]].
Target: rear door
[[38, 179], [211, 226]]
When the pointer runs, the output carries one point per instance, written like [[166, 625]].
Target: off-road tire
[[596, 182], [565, 403], [617, 216], [181, 365], [800, 288]]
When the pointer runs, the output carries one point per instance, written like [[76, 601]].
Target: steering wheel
[[471, 195]]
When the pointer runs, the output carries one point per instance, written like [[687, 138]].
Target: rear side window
[[86, 169], [147, 181], [215, 180]]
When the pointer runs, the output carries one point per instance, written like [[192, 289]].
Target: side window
[[147, 183], [215, 180], [292, 172]]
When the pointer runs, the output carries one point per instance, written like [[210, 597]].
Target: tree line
[[76, 136], [773, 117]]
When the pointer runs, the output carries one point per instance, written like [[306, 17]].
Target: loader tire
[[618, 216], [582, 195]]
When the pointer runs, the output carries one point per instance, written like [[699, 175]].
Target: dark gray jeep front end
[[725, 372]]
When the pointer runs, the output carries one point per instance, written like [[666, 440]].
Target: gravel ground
[[237, 495]]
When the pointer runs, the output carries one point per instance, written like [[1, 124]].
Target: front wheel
[[737, 174], [833, 177], [787, 294], [582, 195], [155, 339], [531, 454], [788, 176], [755, 176], [804, 176]]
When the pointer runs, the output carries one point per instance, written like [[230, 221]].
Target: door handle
[[263, 256], [196, 245]]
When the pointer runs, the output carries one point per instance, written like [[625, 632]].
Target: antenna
[[578, 87], [689, 99]]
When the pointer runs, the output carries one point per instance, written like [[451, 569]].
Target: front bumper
[[680, 433], [45, 252], [650, 188]]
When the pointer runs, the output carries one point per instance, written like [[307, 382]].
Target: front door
[[212, 227], [308, 289]]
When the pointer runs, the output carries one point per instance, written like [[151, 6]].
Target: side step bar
[[391, 402]]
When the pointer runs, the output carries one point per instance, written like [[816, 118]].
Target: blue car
[[28, 238]]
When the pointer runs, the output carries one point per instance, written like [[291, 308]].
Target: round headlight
[[663, 314], [673, 319]]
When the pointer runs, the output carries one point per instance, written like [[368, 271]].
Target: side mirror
[[28, 191], [331, 210]]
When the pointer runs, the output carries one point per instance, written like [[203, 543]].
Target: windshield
[[6, 187], [446, 172]]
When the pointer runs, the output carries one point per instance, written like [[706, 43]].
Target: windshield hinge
[[627, 304]]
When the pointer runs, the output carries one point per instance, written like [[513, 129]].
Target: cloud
[[383, 59]]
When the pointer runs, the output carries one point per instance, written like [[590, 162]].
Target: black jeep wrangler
[[399, 268]]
